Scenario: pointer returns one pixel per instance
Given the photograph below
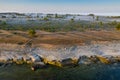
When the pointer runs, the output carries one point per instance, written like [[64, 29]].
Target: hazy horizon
[[102, 7]]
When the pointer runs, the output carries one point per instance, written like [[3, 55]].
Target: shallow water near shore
[[82, 72]]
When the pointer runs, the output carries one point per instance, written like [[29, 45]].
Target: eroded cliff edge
[[20, 53]]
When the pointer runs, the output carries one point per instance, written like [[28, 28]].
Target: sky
[[102, 7]]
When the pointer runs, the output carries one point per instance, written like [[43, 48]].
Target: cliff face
[[13, 51]]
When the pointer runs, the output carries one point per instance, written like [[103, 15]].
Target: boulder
[[94, 59], [27, 59], [68, 62], [84, 60], [113, 59], [104, 60], [62, 63], [117, 58], [51, 58], [18, 59], [53, 62], [38, 65], [19, 62], [35, 58]]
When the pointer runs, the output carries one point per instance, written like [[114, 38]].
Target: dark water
[[83, 72]]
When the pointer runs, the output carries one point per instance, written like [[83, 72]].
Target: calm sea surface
[[82, 72]]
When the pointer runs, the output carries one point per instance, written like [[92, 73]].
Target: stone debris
[[68, 62], [104, 60], [35, 58], [62, 57], [38, 65], [84, 60]]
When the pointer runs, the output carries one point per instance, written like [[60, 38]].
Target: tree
[[31, 32], [46, 18], [92, 15], [101, 23], [97, 18], [113, 22], [56, 15], [4, 23], [118, 26], [72, 20]]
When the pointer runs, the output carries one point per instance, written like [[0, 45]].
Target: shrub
[[91, 15], [97, 18], [31, 32], [118, 26], [72, 20], [4, 23], [46, 19]]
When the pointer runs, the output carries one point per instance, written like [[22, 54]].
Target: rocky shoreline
[[39, 57], [38, 62]]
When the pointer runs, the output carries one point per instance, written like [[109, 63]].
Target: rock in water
[[68, 62], [52, 60], [55, 63], [38, 65], [104, 60], [18, 60], [84, 60], [27, 59], [94, 59]]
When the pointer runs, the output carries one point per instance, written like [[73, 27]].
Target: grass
[[51, 32], [60, 25], [58, 38], [59, 32]]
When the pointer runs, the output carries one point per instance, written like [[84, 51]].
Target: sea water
[[81, 72]]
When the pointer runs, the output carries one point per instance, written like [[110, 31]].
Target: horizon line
[[97, 14]]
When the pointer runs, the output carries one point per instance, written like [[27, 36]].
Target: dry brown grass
[[48, 39], [9, 37]]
